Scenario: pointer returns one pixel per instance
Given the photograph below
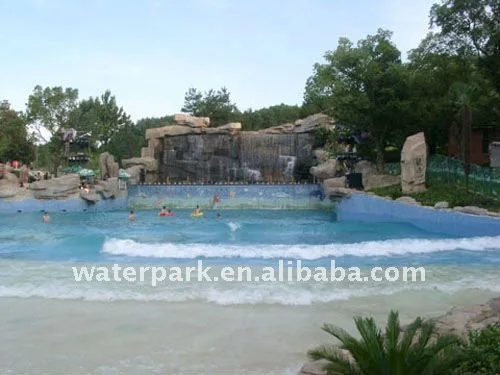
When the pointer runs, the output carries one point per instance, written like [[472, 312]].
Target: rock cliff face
[[190, 150]]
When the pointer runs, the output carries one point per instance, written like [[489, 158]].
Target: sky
[[149, 52]]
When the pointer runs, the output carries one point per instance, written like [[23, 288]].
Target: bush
[[482, 353], [389, 351]]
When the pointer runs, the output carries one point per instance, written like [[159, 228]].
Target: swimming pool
[[58, 323]]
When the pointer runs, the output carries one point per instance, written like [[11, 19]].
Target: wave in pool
[[131, 248]]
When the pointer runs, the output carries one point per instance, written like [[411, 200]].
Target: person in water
[[219, 216], [170, 213], [163, 211], [215, 201], [197, 210], [46, 217], [131, 217]]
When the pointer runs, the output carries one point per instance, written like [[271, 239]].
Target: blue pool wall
[[367, 208], [292, 196], [64, 205], [286, 196]]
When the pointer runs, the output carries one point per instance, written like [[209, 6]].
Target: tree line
[[449, 83]]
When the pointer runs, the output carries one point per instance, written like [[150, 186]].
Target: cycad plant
[[416, 351]]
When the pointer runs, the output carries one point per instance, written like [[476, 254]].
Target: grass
[[453, 194]]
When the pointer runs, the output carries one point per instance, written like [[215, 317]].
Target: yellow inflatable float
[[199, 214]]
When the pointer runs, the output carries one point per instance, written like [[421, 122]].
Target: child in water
[[131, 217], [46, 217]]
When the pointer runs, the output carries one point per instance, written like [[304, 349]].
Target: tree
[[14, 142], [434, 67], [101, 117], [127, 142], [50, 109], [475, 24], [214, 104], [416, 351], [365, 87], [271, 116], [154, 122]]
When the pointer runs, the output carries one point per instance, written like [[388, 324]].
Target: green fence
[[446, 170], [482, 180]]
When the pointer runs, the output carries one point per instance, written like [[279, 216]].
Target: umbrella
[[87, 173], [123, 175]]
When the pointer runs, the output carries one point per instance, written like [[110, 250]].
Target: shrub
[[416, 351], [482, 353]]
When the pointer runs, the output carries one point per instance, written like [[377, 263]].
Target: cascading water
[[248, 156]]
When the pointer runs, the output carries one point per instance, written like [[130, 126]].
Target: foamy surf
[[233, 226], [287, 294], [56, 281], [131, 248]]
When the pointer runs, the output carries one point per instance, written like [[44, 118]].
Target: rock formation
[[195, 122], [9, 184], [372, 179], [192, 150], [462, 319], [107, 166], [56, 188], [413, 164], [133, 167], [328, 169]]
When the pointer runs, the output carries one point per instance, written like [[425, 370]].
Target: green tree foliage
[[154, 122], [364, 86], [50, 109], [272, 116], [217, 105], [127, 142], [475, 25], [415, 351], [214, 104], [101, 117], [482, 353], [15, 143]]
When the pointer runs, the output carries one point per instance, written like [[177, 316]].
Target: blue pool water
[[255, 238], [53, 323]]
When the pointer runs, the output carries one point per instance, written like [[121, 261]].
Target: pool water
[[61, 324]]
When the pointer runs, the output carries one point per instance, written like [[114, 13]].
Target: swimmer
[[197, 211], [215, 201], [46, 217], [131, 217], [163, 211], [219, 216], [170, 213]]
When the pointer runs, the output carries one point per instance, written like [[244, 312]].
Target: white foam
[[131, 248], [279, 294], [233, 226], [55, 281]]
